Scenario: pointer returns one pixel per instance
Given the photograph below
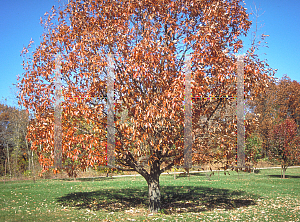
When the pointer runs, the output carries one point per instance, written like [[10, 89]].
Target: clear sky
[[20, 21]]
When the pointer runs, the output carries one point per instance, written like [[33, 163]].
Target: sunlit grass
[[245, 197]]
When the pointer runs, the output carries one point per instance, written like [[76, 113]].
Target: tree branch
[[120, 168], [167, 168]]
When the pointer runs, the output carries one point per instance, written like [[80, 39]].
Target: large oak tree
[[149, 41]]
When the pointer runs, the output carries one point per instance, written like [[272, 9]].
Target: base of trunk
[[154, 196], [283, 169]]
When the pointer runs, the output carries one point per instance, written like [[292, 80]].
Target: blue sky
[[20, 21]]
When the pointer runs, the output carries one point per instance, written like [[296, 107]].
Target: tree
[[149, 42], [287, 99], [253, 148], [215, 135], [5, 149], [285, 144], [263, 108], [16, 155], [279, 101]]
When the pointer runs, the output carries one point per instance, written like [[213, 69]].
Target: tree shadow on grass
[[174, 198], [197, 174], [286, 176], [87, 179], [108, 199], [197, 199]]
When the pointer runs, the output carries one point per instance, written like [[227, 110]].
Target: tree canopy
[[149, 42], [285, 142], [278, 103]]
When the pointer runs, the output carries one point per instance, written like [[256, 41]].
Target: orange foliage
[[149, 41]]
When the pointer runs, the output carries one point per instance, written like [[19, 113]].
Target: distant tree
[[215, 133], [264, 109], [287, 99], [285, 148], [253, 148], [279, 101]]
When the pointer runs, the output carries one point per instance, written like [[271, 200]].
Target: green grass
[[247, 197]]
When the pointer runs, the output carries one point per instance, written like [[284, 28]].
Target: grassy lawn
[[263, 196]]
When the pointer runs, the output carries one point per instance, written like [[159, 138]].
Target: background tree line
[[16, 157], [277, 112]]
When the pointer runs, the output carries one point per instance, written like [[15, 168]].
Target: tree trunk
[[29, 152], [29, 161], [8, 161], [283, 171], [32, 166], [152, 178], [174, 174], [32, 161], [5, 171], [154, 193]]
